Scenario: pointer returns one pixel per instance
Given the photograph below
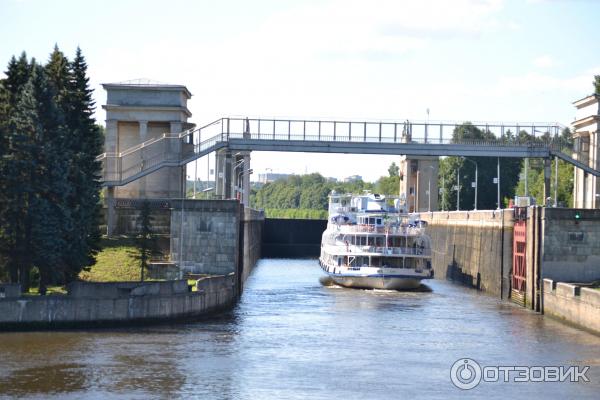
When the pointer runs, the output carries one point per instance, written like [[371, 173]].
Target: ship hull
[[376, 282]]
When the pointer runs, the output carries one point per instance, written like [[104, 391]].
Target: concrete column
[[110, 136], [547, 175], [178, 181], [111, 163], [223, 174], [111, 146], [176, 127], [246, 181]]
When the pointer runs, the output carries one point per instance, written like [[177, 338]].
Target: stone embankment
[[573, 304], [89, 304]]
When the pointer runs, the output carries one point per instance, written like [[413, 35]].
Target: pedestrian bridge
[[327, 136]]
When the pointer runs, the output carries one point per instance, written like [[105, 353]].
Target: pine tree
[[85, 145], [50, 213], [17, 75], [145, 241], [16, 175]]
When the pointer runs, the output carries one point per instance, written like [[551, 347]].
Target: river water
[[289, 338]]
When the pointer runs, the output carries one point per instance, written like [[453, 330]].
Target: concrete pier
[[118, 303]]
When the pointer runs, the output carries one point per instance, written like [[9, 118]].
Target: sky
[[376, 60]]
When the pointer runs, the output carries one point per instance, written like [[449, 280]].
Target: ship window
[[378, 221], [339, 261]]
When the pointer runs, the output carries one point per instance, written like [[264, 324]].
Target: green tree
[[49, 213], [49, 178], [487, 171], [394, 170], [597, 84], [145, 240], [85, 144], [302, 196], [536, 182], [388, 185], [17, 167]]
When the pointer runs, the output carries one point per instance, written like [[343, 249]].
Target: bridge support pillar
[[223, 177], [547, 175], [233, 176], [246, 181], [418, 183]]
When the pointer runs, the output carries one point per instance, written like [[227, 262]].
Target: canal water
[[291, 338]]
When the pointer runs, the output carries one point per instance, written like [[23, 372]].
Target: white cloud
[[544, 61]]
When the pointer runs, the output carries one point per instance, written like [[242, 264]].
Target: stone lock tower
[[138, 111]]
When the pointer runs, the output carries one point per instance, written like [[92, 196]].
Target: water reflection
[[53, 379]]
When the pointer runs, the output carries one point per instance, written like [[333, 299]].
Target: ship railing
[[411, 251], [394, 230]]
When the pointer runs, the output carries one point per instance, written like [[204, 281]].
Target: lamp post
[[240, 188], [498, 180], [443, 189], [458, 189], [555, 182], [429, 186], [476, 183]]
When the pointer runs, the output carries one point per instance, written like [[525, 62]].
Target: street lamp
[[458, 189], [240, 187], [498, 180], [465, 158], [429, 184]]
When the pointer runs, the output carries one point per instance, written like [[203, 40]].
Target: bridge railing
[[384, 132], [169, 149]]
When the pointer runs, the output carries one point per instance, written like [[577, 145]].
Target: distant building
[[269, 177], [353, 178]]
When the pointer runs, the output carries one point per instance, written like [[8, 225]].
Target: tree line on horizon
[[49, 176]]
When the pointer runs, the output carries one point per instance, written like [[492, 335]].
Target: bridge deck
[[387, 138]]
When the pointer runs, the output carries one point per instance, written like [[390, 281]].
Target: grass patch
[[50, 290], [115, 262]]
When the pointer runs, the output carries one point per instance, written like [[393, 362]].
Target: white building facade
[[585, 130]]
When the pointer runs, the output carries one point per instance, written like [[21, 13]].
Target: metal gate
[[519, 268]]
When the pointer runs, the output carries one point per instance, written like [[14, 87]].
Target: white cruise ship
[[370, 243]]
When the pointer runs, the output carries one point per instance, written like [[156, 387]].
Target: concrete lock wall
[[109, 290], [213, 241], [219, 237], [571, 246], [211, 236], [9, 290], [127, 214], [145, 302], [253, 224], [473, 247], [571, 303]]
